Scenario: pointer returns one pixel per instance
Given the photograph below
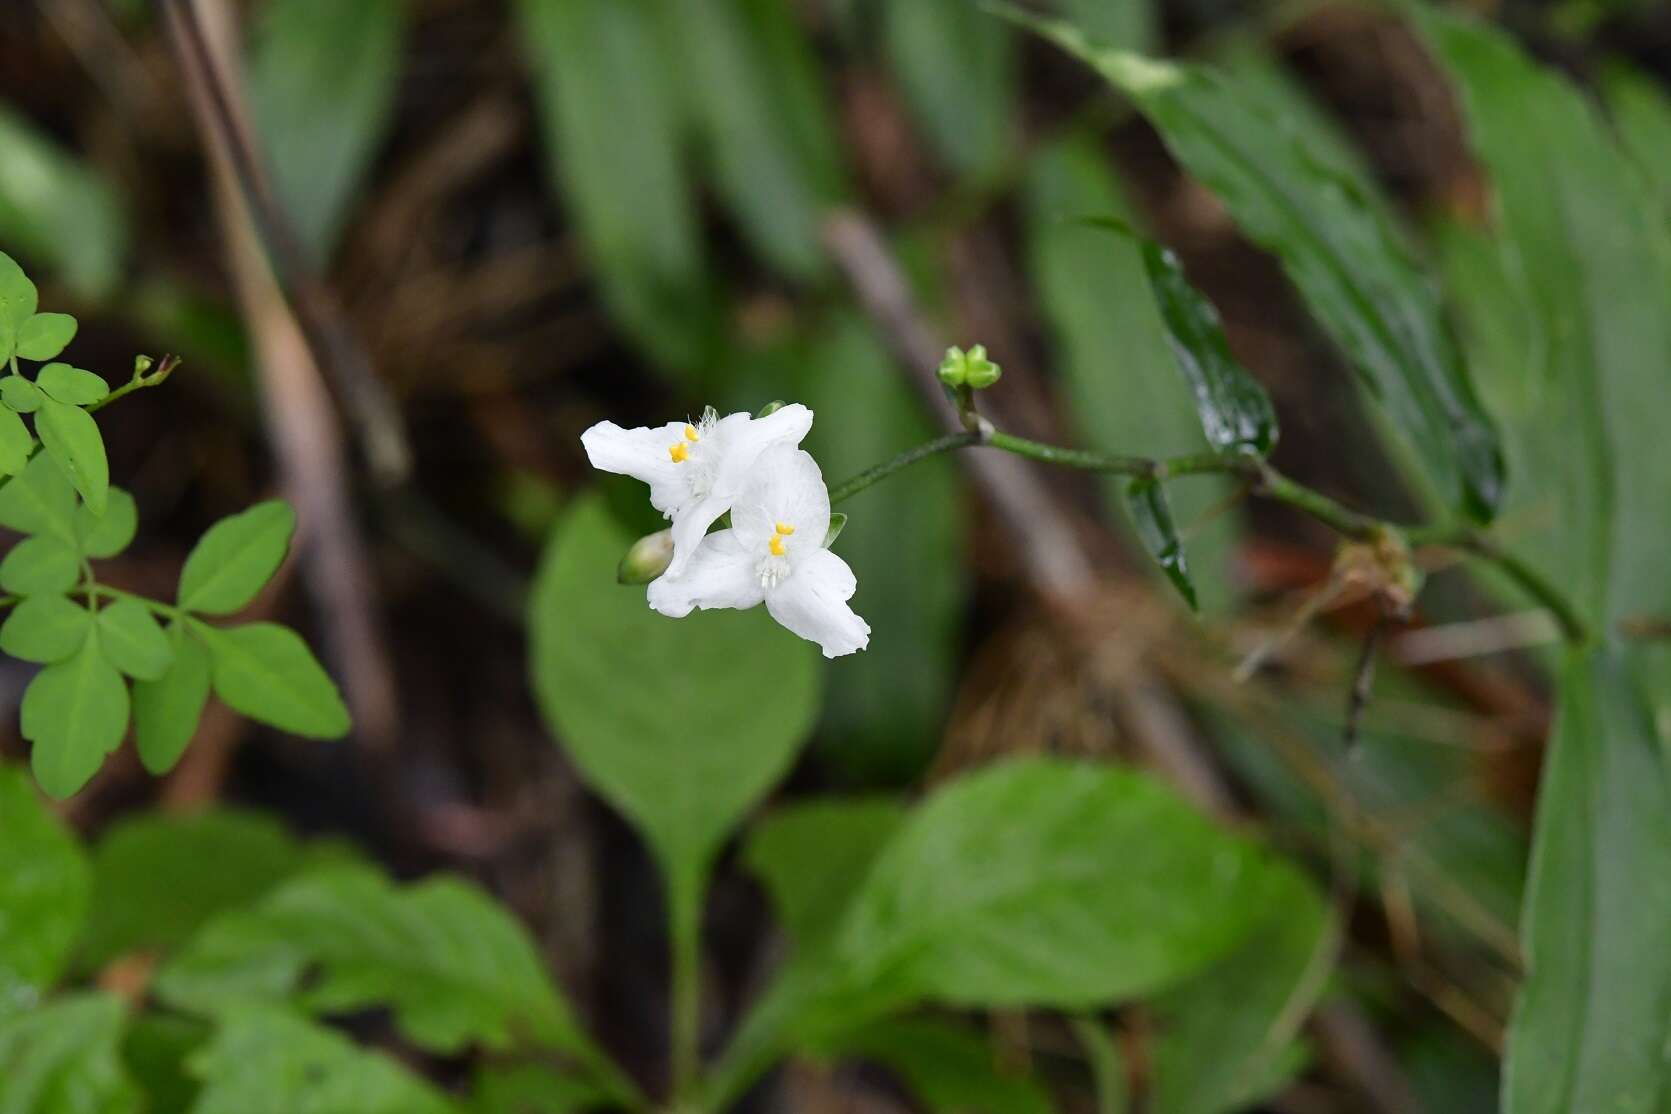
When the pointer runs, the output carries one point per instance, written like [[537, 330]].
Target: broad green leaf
[[58, 211], [957, 68], [886, 707], [1236, 413], [18, 297], [39, 500], [948, 1066], [20, 394], [40, 565], [1132, 24], [454, 966], [1587, 256], [1226, 1036], [75, 712], [44, 883], [45, 335], [268, 673], [1589, 1029], [1641, 110], [269, 1061], [813, 857], [157, 1052], [682, 724], [1338, 246], [108, 534], [322, 81], [614, 147], [736, 89], [533, 1089], [235, 558], [1005, 888], [71, 385], [45, 629], [166, 711], [1152, 518], [1112, 345], [15, 442], [71, 438], [157, 877], [65, 1058], [131, 640]]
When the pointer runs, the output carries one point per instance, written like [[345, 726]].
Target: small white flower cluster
[[773, 552]]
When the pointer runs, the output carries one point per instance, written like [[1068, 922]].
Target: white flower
[[774, 553], [695, 472]]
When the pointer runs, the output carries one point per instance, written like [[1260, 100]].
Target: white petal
[[641, 453], [690, 524], [786, 487], [744, 438], [720, 574], [812, 602]]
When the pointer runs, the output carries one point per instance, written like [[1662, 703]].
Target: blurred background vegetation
[[513, 219]]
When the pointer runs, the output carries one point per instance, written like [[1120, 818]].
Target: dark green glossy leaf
[[44, 883], [1236, 413], [267, 672], [71, 439], [40, 565], [65, 1059], [45, 335], [235, 558], [75, 712], [322, 80], [1112, 347], [1337, 245], [1152, 518], [1588, 1032], [166, 711]]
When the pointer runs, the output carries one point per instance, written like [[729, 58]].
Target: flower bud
[[969, 369], [141, 365], [647, 559]]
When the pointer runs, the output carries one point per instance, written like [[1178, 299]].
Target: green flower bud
[[647, 559], [968, 369], [141, 365]]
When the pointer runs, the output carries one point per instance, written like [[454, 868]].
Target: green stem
[[685, 925], [851, 487], [1266, 481], [166, 609]]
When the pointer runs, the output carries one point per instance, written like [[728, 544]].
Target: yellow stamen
[[785, 529], [690, 433], [678, 451], [776, 545]]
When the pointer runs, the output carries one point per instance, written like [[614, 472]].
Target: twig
[[330, 338], [1363, 681], [300, 418]]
